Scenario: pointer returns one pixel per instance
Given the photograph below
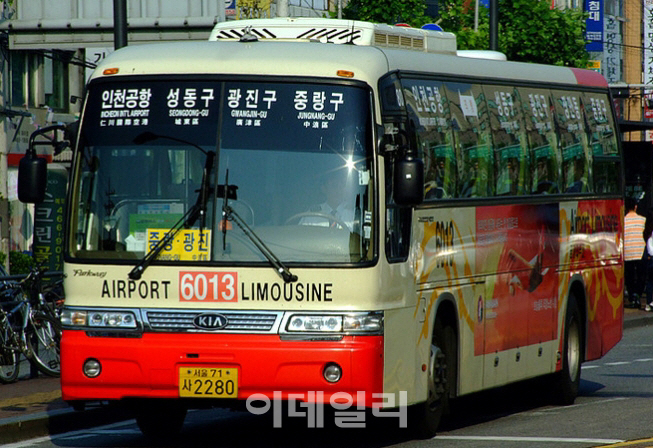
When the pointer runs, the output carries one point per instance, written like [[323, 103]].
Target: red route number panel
[[208, 287]]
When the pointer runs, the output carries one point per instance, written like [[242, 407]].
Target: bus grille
[[239, 322]]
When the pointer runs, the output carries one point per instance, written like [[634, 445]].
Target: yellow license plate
[[208, 382]]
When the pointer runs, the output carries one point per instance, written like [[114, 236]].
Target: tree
[[387, 11], [529, 30]]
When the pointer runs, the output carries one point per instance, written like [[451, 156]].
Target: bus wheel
[[567, 380], [161, 421], [425, 417]]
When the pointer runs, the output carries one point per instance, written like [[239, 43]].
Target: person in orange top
[[634, 245]]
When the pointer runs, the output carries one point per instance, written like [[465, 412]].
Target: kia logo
[[210, 321]]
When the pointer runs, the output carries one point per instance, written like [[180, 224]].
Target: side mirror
[[32, 178], [409, 181], [33, 170]]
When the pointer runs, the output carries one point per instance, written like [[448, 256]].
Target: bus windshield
[[292, 163]]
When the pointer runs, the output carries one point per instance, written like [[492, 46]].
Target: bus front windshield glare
[[291, 163]]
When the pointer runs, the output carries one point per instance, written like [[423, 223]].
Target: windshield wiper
[[197, 211], [229, 214], [186, 221]]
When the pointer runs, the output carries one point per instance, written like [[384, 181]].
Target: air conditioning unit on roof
[[337, 32]]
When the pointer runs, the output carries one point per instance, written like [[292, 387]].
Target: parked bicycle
[[45, 292], [29, 325]]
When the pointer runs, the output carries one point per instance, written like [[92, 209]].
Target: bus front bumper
[[149, 366]]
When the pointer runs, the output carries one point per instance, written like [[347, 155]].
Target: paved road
[[33, 407]]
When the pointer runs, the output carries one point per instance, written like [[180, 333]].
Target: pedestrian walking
[[634, 246], [648, 259]]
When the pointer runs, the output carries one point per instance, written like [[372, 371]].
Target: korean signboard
[[594, 30], [48, 221]]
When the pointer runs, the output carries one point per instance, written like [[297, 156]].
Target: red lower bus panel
[[148, 367]]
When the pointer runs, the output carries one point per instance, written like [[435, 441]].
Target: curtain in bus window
[[511, 158], [429, 111], [576, 154], [546, 160], [471, 130], [603, 143]]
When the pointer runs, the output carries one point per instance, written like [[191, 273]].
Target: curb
[[15, 429], [639, 321]]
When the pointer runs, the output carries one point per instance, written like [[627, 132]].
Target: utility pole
[[4, 151], [494, 25], [119, 24], [282, 8]]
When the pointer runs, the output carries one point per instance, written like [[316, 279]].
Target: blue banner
[[594, 31]]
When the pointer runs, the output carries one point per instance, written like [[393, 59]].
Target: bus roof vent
[[383, 39], [337, 32]]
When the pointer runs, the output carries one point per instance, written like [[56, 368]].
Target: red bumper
[[148, 367]]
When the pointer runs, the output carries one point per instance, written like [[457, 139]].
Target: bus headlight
[[368, 322], [98, 318], [315, 323], [365, 322]]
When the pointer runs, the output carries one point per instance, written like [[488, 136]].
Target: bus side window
[[427, 107], [471, 131], [546, 165], [512, 161], [576, 155], [603, 143]]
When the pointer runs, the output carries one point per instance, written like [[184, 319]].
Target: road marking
[[531, 439], [26, 443], [104, 432], [616, 363], [116, 431], [630, 443], [557, 409]]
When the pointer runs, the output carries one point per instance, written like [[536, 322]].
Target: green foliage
[[457, 16], [529, 30], [387, 11], [3, 258], [19, 263]]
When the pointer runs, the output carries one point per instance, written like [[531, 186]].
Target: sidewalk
[[33, 407]]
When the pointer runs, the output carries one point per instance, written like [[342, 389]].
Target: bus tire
[[161, 421], [425, 417], [567, 380]]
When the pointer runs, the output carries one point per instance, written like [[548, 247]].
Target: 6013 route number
[[208, 286]]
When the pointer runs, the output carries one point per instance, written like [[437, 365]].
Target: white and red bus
[[338, 212]]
